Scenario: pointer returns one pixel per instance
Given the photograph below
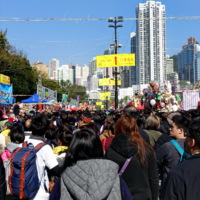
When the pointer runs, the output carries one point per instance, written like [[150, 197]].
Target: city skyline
[[80, 41]]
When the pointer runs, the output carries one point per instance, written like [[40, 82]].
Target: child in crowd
[[17, 137], [64, 138]]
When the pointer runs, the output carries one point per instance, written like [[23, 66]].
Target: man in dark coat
[[183, 182], [2, 181], [16, 109]]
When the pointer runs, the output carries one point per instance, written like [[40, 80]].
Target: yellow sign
[[4, 79], [104, 98], [98, 103], [105, 94], [102, 106], [115, 60], [108, 81]]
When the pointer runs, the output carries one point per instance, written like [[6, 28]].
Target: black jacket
[[184, 181], [142, 181], [2, 181]]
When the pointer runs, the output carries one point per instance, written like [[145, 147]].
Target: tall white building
[[150, 42], [169, 65], [53, 66], [65, 73]]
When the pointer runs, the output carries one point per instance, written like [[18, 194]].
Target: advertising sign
[[104, 98], [6, 92], [105, 94], [115, 60], [98, 103], [4, 79], [46, 93], [108, 81]]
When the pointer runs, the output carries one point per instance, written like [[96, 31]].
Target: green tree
[[17, 67]]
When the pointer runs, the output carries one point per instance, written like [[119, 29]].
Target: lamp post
[[116, 46]]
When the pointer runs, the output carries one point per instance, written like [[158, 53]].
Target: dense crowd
[[97, 155]]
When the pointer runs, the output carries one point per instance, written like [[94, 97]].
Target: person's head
[[131, 111], [8, 125], [40, 124], [28, 122], [32, 113], [141, 121], [192, 140], [64, 135], [128, 125], [179, 126], [17, 135], [153, 121], [85, 144]]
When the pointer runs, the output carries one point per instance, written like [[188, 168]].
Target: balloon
[[153, 102]]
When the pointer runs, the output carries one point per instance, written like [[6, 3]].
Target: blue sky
[[79, 42]]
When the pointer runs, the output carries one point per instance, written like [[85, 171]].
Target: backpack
[[23, 179], [183, 155]]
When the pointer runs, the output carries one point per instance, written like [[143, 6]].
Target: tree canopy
[[24, 77]]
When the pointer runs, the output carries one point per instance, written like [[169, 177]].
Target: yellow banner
[[98, 103], [104, 98], [4, 79], [115, 60], [108, 81], [105, 94], [102, 106]]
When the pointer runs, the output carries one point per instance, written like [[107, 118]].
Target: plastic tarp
[[33, 99]]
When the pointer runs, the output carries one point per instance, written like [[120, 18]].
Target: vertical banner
[[190, 99], [78, 98], [6, 92], [64, 98]]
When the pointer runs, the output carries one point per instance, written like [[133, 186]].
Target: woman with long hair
[[141, 175], [87, 175]]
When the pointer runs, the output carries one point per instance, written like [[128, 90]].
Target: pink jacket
[[6, 154]]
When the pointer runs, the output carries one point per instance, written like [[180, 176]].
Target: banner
[[64, 98], [115, 60], [108, 81], [4, 79], [6, 92], [105, 94], [46, 93], [104, 98], [98, 103]]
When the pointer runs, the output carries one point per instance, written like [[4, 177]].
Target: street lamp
[[115, 20]]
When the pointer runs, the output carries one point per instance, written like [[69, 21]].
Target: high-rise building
[[53, 66], [40, 67], [150, 42], [133, 73], [65, 73], [189, 62], [92, 66], [169, 65]]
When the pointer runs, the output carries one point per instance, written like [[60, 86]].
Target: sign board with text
[[4, 79], [108, 81], [115, 60]]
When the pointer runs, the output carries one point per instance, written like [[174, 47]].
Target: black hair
[[141, 122], [96, 118], [85, 144], [17, 134], [194, 130], [1, 114], [39, 125], [131, 111], [65, 134], [51, 131], [9, 125], [32, 112], [181, 121]]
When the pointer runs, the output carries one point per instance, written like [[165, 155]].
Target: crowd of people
[[97, 155]]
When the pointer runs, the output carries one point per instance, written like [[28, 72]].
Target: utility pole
[[116, 46]]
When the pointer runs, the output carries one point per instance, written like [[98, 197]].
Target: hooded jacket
[[93, 179], [142, 181]]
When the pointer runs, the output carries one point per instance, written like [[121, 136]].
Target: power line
[[88, 19]]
